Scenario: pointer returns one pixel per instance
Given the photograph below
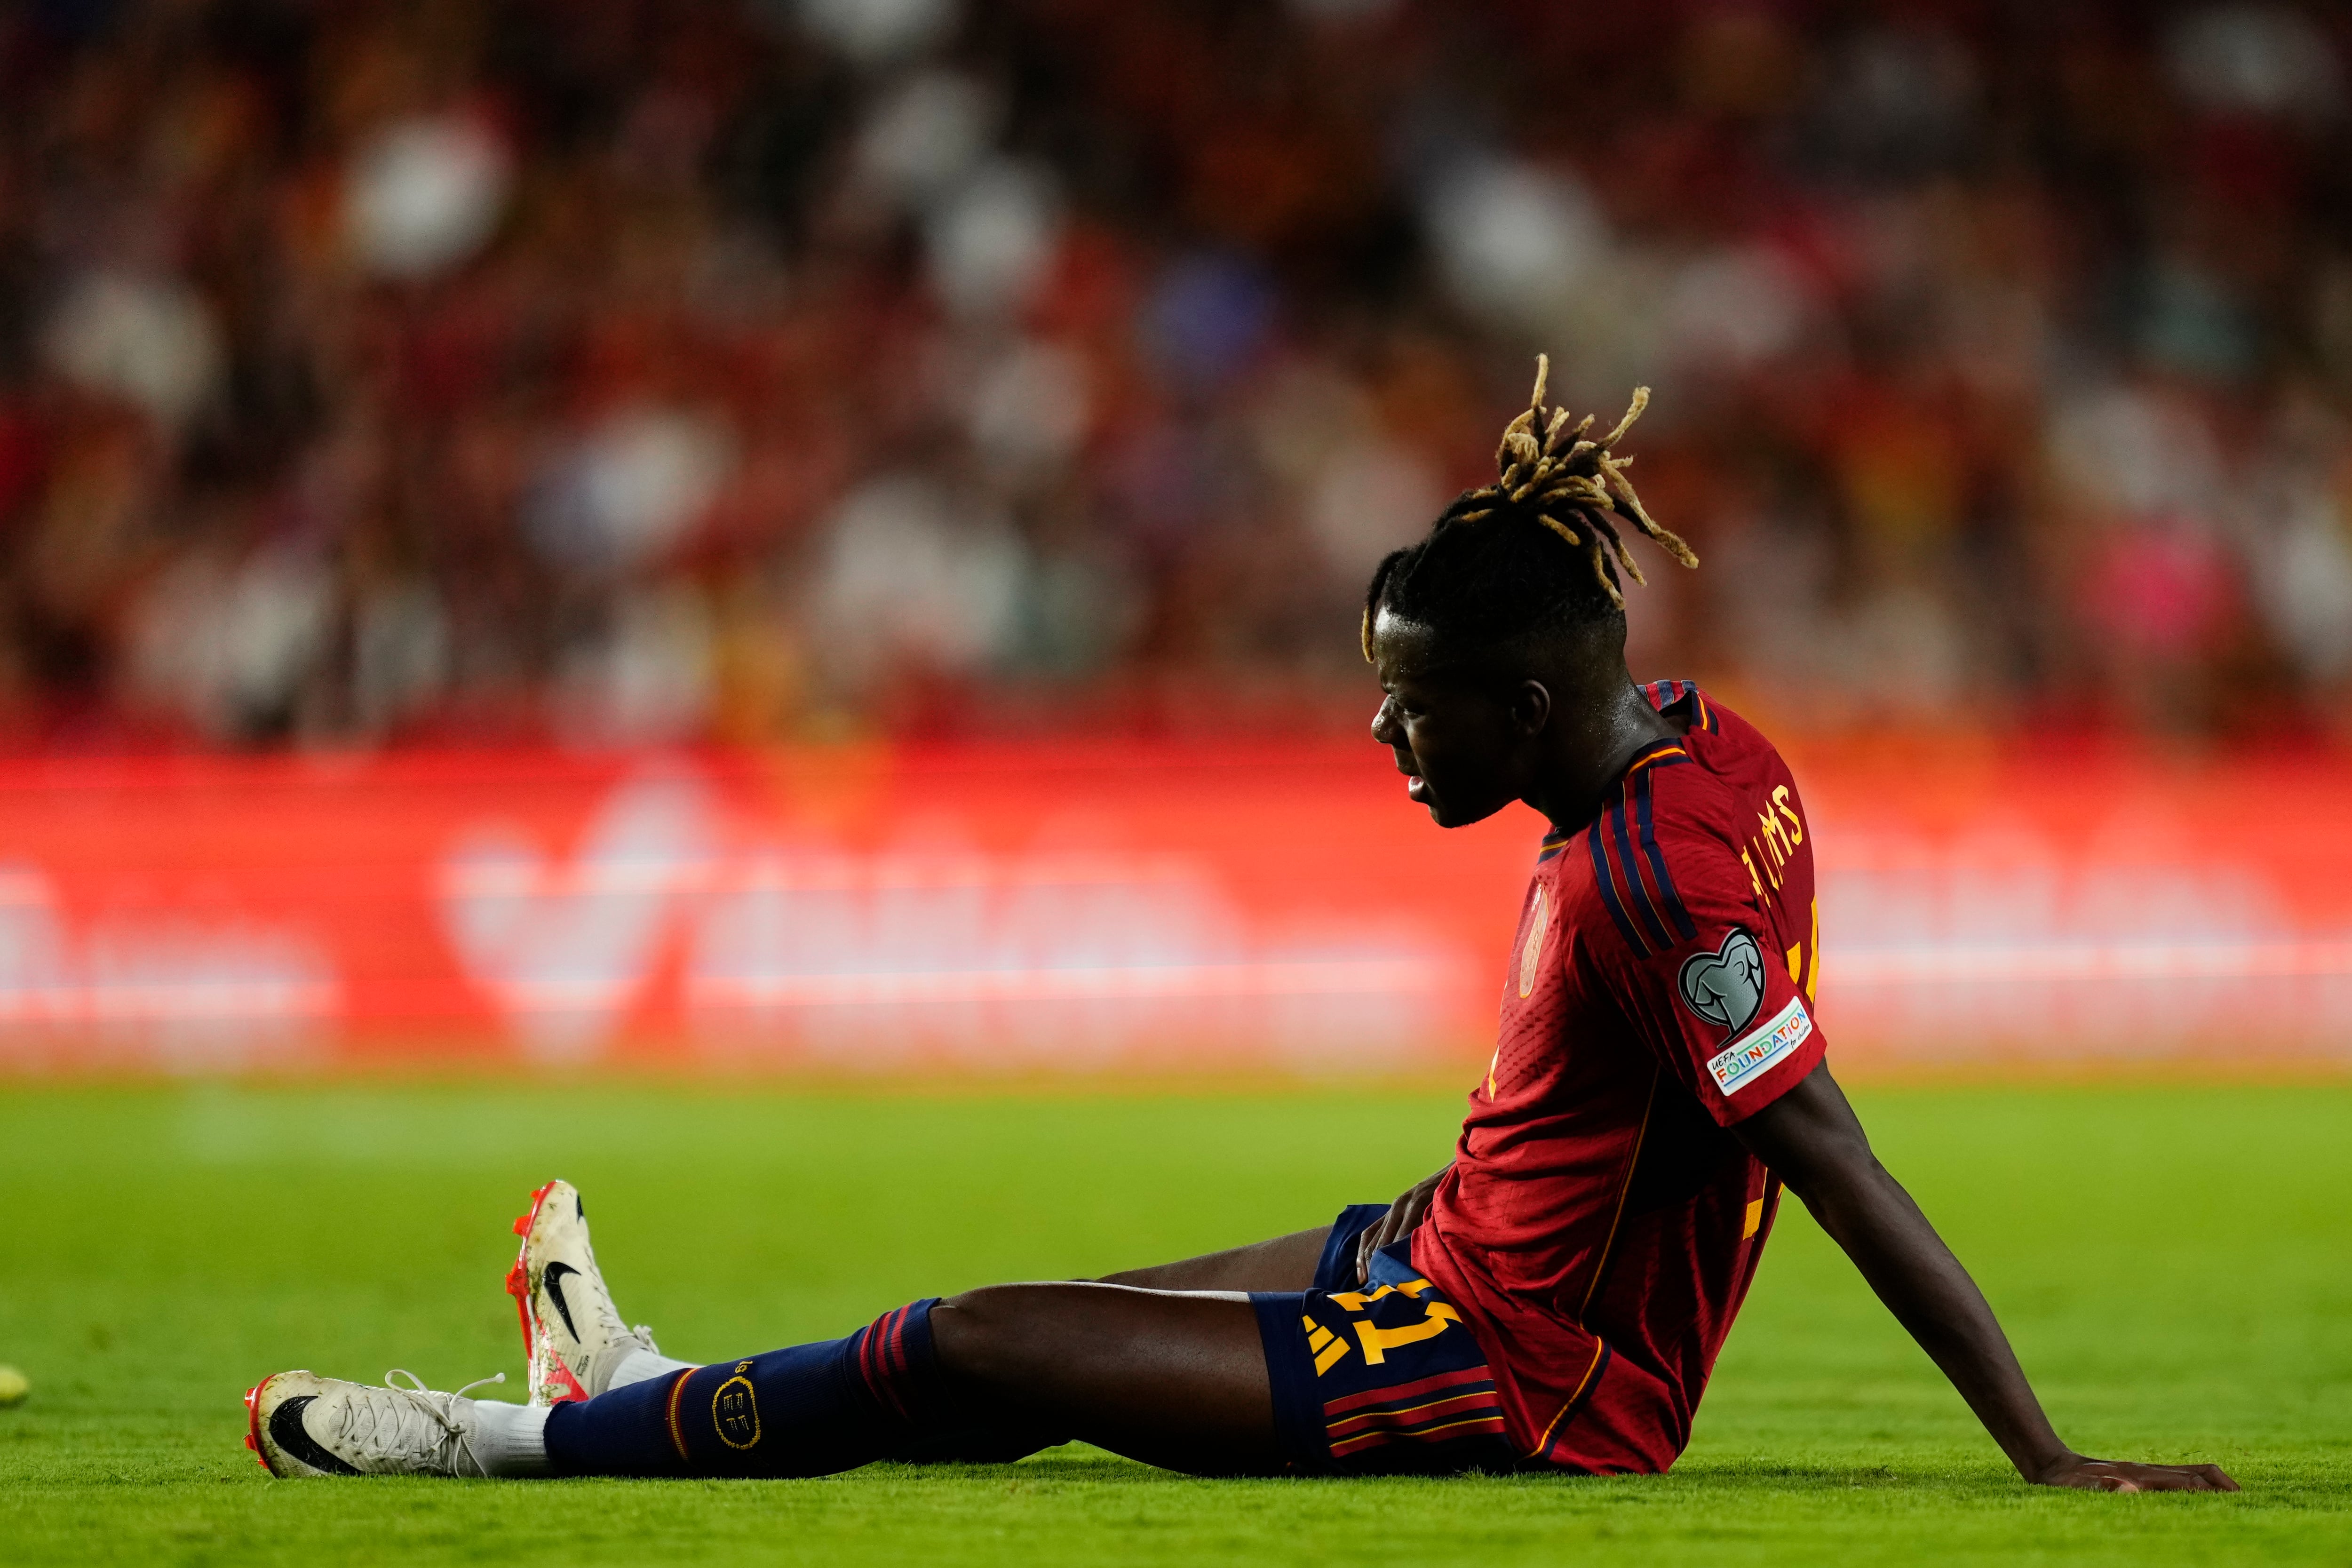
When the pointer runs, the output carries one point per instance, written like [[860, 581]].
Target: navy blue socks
[[809, 1410]]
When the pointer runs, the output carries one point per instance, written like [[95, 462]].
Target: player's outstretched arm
[[1811, 1140]]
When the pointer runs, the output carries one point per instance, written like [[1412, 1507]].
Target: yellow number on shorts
[[1378, 1341]]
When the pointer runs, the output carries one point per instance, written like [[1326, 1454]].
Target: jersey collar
[[1661, 753]]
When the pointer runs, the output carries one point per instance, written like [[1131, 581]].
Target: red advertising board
[[1082, 907]]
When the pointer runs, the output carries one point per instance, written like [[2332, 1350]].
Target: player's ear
[[1530, 709]]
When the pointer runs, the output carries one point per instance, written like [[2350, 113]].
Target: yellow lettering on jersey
[[1813, 954], [1752, 877], [1378, 1341], [1797, 965], [1755, 1220], [1796, 824]]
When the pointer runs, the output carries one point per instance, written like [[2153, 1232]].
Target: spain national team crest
[[735, 1411], [1531, 950]]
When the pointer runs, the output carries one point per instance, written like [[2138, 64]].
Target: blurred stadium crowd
[[751, 369]]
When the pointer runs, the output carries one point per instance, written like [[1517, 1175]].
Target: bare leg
[[1284, 1263], [1170, 1378]]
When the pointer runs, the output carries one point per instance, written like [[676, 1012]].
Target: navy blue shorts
[[1382, 1378]]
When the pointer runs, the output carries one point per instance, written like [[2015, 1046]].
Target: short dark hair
[[1538, 551]]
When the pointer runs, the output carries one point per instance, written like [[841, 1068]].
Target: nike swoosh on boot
[[286, 1430], [552, 1282]]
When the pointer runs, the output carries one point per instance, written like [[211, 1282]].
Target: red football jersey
[[1600, 1226]]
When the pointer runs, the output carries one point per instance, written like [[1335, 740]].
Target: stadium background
[[832, 532], [753, 603]]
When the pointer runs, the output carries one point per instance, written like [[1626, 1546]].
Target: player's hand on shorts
[[2121, 1476], [1403, 1216]]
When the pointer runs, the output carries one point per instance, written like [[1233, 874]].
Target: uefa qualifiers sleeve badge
[[1724, 987]]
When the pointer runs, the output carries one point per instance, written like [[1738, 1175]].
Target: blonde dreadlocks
[[1550, 474]]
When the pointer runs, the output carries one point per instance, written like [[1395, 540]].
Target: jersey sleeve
[[1690, 954]]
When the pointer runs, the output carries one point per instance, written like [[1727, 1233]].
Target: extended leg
[[1209, 1381], [1174, 1379], [1165, 1363]]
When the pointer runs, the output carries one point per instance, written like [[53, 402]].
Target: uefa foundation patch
[[1743, 1062]]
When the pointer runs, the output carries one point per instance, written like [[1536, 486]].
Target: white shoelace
[[412, 1421]]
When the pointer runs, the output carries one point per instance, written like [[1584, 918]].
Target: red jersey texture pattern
[[1600, 1225]]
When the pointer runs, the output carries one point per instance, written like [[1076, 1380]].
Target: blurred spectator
[[745, 369]]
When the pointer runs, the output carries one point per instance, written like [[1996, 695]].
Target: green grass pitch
[[2175, 1264]]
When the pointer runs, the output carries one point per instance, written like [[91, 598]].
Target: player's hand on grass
[[1403, 1216], [2121, 1476]]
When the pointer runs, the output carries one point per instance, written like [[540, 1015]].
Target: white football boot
[[573, 1335], [302, 1426]]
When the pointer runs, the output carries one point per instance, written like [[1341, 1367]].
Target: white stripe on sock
[[638, 1365], [511, 1439]]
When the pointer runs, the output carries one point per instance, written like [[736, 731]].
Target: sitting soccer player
[[1554, 1298]]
